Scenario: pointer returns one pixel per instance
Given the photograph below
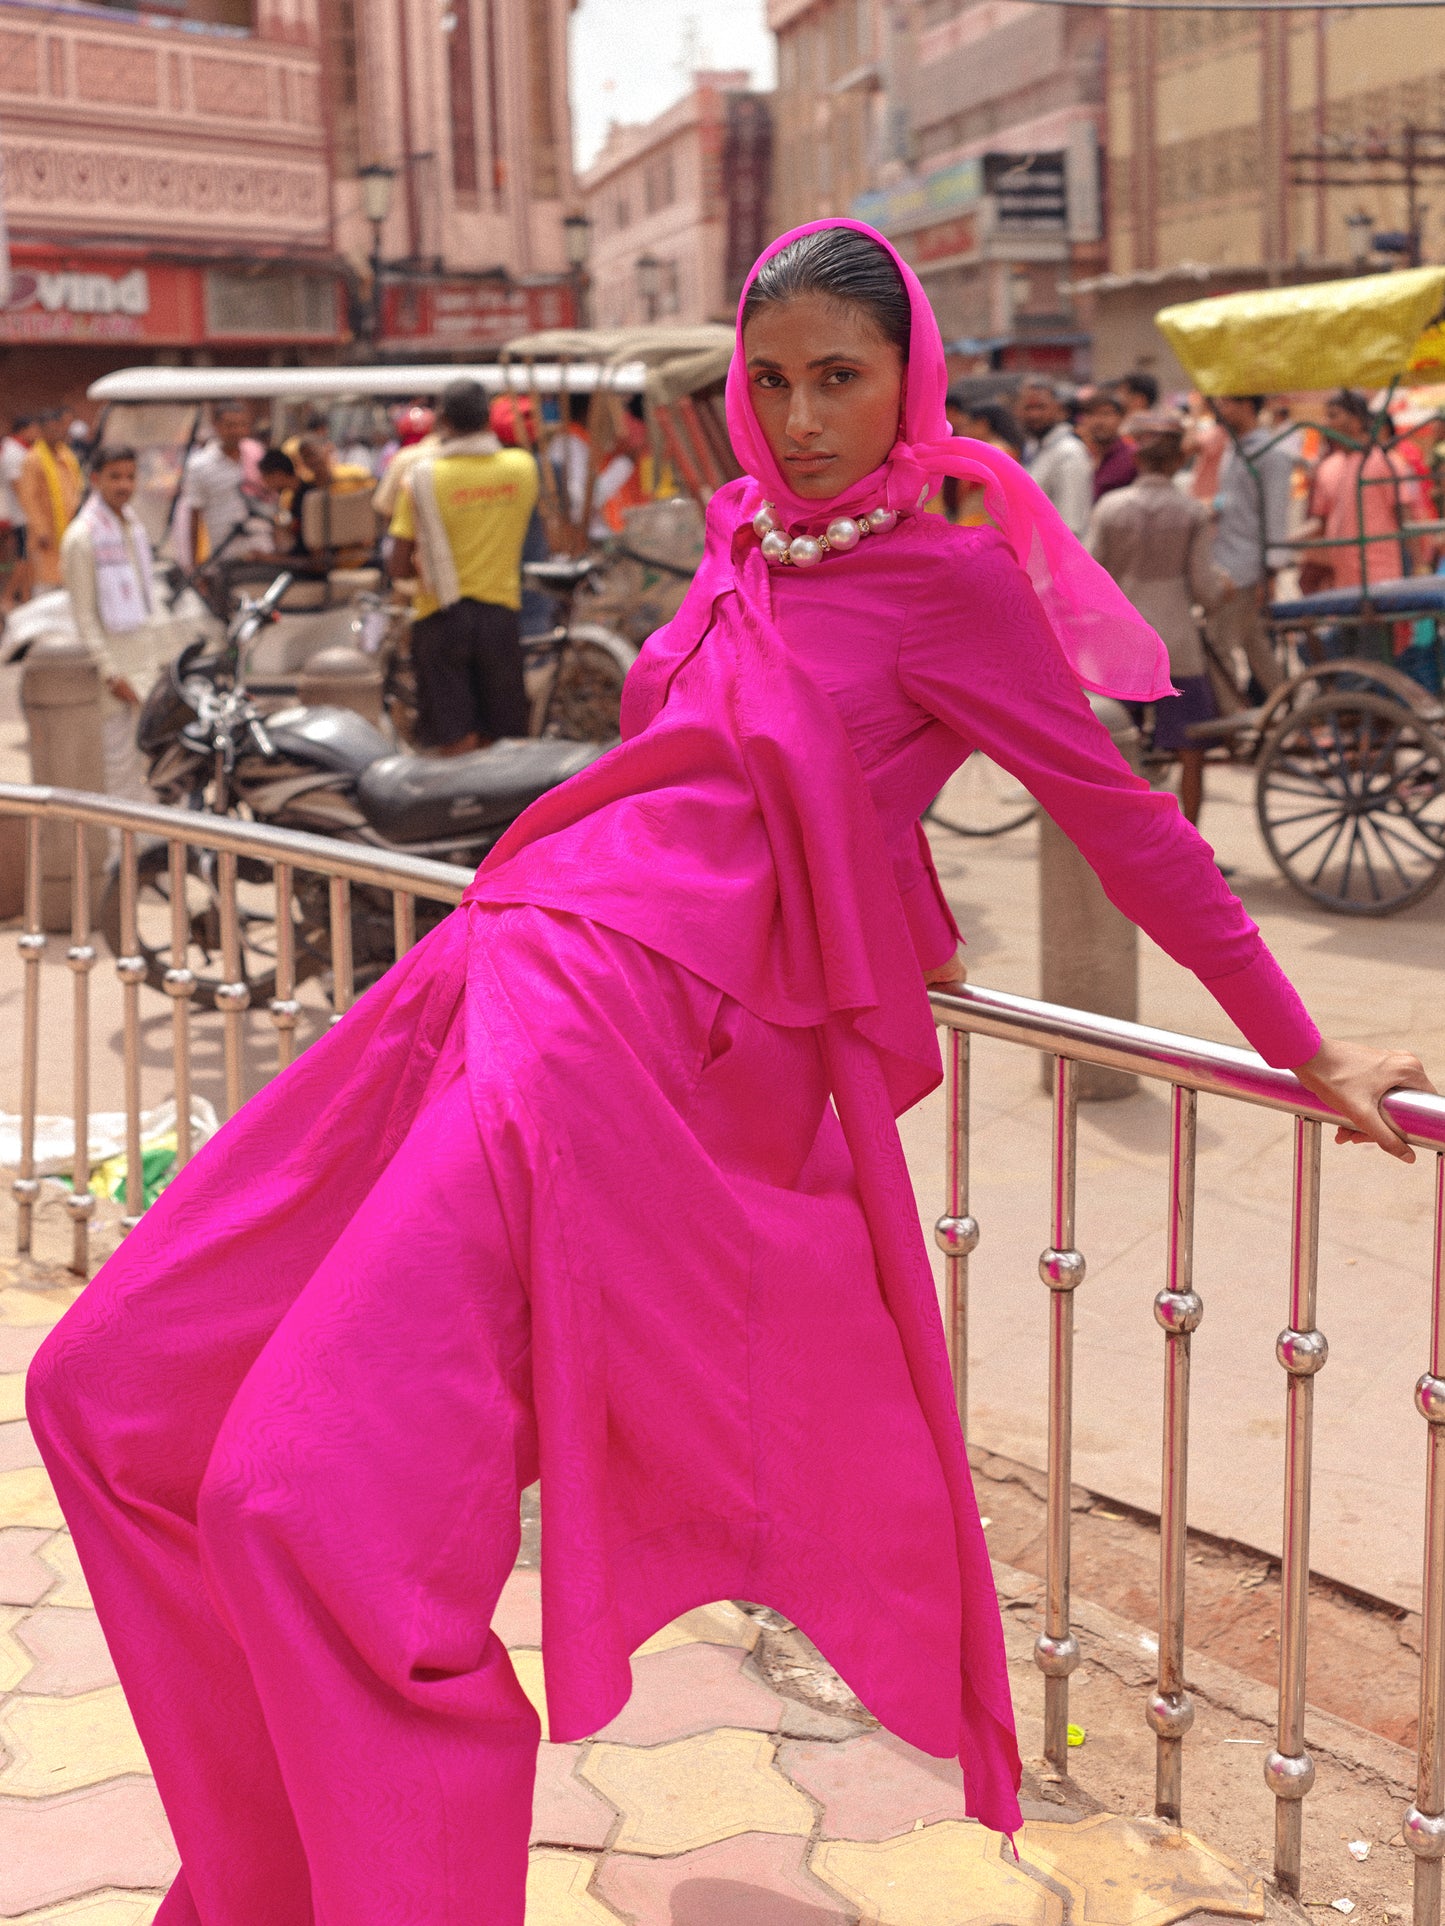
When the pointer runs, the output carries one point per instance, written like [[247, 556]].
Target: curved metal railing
[[1190, 1066]]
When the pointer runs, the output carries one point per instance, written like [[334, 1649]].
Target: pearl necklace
[[804, 551]]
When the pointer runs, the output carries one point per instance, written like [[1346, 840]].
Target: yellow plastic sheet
[[1336, 334]]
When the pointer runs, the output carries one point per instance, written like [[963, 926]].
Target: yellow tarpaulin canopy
[[1337, 334]]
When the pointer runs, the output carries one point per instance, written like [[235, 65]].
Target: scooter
[[323, 769]]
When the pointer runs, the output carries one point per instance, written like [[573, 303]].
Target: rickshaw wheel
[[980, 799], [584, 703], [1351, 802]]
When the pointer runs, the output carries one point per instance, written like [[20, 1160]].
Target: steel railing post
[[1056, 1650], [1289, 1770], [284, 1007], [81, 959], [956, 1233], [233, 997], [1423, 1826], [180, 986], [341, 970], [31, 944], [130, 967], [1178, 1309], [403, 920]]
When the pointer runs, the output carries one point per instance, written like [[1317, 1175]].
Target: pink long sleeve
[[978, 653]]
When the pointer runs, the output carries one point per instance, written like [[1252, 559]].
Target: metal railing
[[1190, 1067], [230, 841]]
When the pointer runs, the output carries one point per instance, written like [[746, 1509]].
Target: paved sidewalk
[[742, 1785]]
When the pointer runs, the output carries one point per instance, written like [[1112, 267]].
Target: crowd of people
[[1199, 513]]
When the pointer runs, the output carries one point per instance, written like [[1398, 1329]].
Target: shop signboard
[[1030, 192], [922, 203], [66, 298], [464, 315]]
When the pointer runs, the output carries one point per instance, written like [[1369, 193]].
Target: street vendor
[[620, 1134], [106, 560]]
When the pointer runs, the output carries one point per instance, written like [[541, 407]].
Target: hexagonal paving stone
[[93, 1842], [691, 1689], [721, 1624], [26, 1499], [676, 1797], [97, 1909], [518, 1617], [60, 1556], [56, 1745], [1138, 1872], [15, 1661], [28, 1309], [24, 1576], [760, 1878], [69, 1650], [527, 1665], [565, 1811], [17, 1446], [557, 1892], [953, 1874], [875, 1786], [12, 1396]]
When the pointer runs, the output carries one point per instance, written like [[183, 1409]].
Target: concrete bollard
[[1089, 953], [60, 694], [345, 678]]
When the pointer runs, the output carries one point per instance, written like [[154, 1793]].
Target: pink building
[[184, 183], [679, 206]]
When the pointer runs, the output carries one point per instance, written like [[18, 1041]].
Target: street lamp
[[577, 238], [649, 283], [376, 184], [1362, 236]]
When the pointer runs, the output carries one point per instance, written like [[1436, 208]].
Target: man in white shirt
[[15, 587], [105, 561], [216, 490], [1054, 455]]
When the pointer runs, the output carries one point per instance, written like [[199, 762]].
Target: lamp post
[[376, 184], [649, 284], [577, 236]]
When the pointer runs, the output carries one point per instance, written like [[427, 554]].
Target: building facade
[[679, 206], [1215, 122], [183, 184], [833, 135]]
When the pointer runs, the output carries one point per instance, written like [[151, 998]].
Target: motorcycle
[[318, 768]]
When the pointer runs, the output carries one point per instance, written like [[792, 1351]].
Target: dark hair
[[21, 421], [1255, 401], [276, 461], [1353, 403], [843, 266], [109, 452], [1100, 398], [998, 418], [219, 408], [464, 406], [1156, 454], [1140, 383]]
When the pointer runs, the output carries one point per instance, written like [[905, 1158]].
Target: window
[[659, 186], [462, 98]]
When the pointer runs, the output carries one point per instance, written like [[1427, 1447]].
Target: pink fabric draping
[[1108, 643]]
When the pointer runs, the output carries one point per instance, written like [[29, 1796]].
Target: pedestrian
[[989, 421], [1252, 527], [619, 1135], [1358, 488], [593, 462], [106, 559], [1138, 393], [1054, 455], [459, 526], [1100, 426], [218, 490], [513, 420], [14, 447], [1155, 542], [50, 486]]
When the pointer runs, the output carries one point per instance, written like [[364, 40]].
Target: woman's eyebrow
[[762, 361], [839, 354]]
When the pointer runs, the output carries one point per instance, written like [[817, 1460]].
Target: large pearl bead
[[880, 520], [766, 520], [775, 545], [843, 533], [804, 551]]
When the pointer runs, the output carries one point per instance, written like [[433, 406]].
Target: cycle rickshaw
[[1350, 748]]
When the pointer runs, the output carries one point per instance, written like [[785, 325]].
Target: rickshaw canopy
[[371, 379], [1361, 333], [678, 360]]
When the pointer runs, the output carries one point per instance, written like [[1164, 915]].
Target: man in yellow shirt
[[459, 526], [50, 486]]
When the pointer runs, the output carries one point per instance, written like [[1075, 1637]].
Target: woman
[[583, 1135], [1343, 505], [988, 421]]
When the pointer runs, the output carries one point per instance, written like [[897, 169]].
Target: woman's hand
[[1352, 1078], [951, 975]]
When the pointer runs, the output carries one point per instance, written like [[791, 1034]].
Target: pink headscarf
[[1109, 645]]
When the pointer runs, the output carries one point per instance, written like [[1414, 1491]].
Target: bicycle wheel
[[980, 799], [584, 703]]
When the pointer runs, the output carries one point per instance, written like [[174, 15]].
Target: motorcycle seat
[[562, 574], [423, 799]]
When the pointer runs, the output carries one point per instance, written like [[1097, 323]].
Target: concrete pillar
[[61, 696], [344, 678], [1088, 951]]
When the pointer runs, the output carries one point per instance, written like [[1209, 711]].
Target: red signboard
[[56, 296], [447, 316], [958, 236]]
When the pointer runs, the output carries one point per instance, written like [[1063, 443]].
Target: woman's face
[[827, 389]]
